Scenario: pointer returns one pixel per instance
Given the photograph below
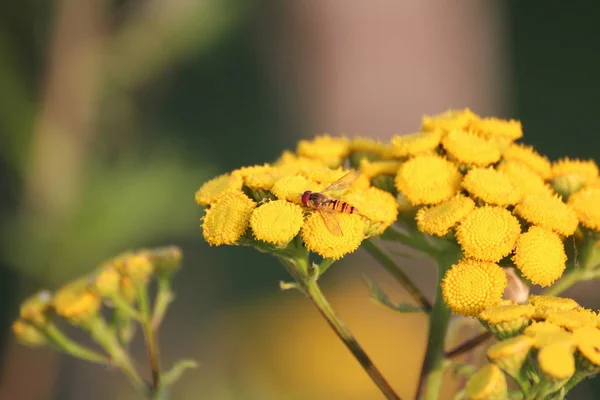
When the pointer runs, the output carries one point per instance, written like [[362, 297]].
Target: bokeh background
[[113, 112]]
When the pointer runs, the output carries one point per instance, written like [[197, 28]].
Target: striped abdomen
[[341, 206]]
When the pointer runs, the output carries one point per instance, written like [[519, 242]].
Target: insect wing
[[331, 222], [344, 182]]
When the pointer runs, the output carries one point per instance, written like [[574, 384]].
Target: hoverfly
[[327, 207]]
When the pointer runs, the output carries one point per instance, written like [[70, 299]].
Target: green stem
[[430, 382], [150, 337], [164, 297], [63, 343], [566, 282], [468, 345], [310, 287], [393, 269]]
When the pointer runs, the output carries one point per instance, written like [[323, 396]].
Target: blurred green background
[[112, 113]]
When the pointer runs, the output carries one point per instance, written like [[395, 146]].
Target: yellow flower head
[[327, 149], [374, 168], [469, 148], [428, 179], [245, 172], [577, 170], [524, 178], [452, 119], [217, 187], [318, 239], [488, 233], [227, 219], [438, 220], [506, 321], [289, 163], [415, 143], [263, 180], [548, 212], [540, 256], [373, 203], [27, 334], [277, 221], [496, 127], [290, 188], [322, 175], [166, 260], [35, 308], [489, 383], [588, 345], [106, 281], [138, 267], [528, 156], [491, 186], [510, 354], [586, 204], [368, 145], [553, 303], [75, 302], [544, 337], [470, 286], [556, 361], [572, 319]]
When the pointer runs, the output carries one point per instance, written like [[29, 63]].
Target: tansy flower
[[415, 143], [556, 361], [572, 319], [488, 383], [540, 256], [329, 150], [524, 178], [543, 338], [586, 203], [368, 145], [373, 203], [245, 172], [106, 281], [428, 179], [469, 148], [28, 335], [263, 180], [290, 188], [438, 220], [496, 127], [541, 327], [588, 346], [583, 171], [510, 354], [289, 163], [227, 219], [506, 321], [35, 308], [75, 302], [491, 186], [216, 187], [452, 119], [138, 267], [548, 212], [277, 221], [374, 168], [323, 175], [470, 286], [488, 233], [528, 156], [319, 239], [553, 302]]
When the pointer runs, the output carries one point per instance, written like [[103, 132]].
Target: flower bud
[[76, 303], [166, 260], [489, 383], [35, 309], [28, 334]]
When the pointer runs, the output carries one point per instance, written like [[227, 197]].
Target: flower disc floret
[[290, 188], [469, 148], [277, 221], [217, 187], [524, 178], [586, 203], [451, 119], [548, 212], [428, 179], [415, 143], [540, 256], [587, 170], [553, 302], [488, 233], [528, 156], [368, 145], [439, 219], [372, 169], [330, 150], [227, 219], [318, 239], [572, 319], [491, 186], [489, 383], [496, 127], [470, 286]]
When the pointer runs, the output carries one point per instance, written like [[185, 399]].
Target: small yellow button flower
[[329, 150], [488, 383], [318, 239], [540, 256], [374, 168], [289, 163], [277, 221], [27, 334], [438, 220], [584, 171], [553, 303], [227, 219], [541, 327], [245, 172], [506, 321], [290, 188], [107, 281], [544, 337], [428, 179], [263, 180], [35, 308], [491, 186], [524, 178], [586, 203], [368, 145], [373, 203], [572, 319], [138, 267], [471, 286], [588, 345], [488, 233], [496, 127], [75, 302], [451, 119], [469, 148], [415, 143], [556, 361], [216, 187], [510, 354], [548, 212], [528, 156]]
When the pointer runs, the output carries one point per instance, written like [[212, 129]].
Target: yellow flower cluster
[[549, 343]]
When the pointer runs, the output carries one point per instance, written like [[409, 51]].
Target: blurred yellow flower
[[374, 168], [496, 127], [488, 233], [588, 344], [27, 334], [368, 145], [583, 171], [107, 280], [428, 179], [470, 286], [35, 308], [439, 219], [491, 186], [216, 187], [541, 327], [329, 150], [488, 383], [227, 219], [553, 302], [524, 178], [510, 354], [556, 361], [540, 256], [415, 143], [318, 239], [548, 212], [572, 319], [373, 203], [586, 203], [469, 148], [506, 321], [138, 267], [290, 188], [277, 221], [75, 302], [289, 163], [245, 172], [263, 180], [451, 119], [528, 156], [545, 337]]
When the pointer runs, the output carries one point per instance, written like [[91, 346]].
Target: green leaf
[[382, 298], [170, 377]]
